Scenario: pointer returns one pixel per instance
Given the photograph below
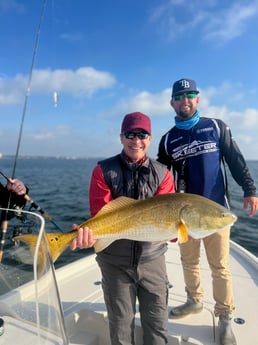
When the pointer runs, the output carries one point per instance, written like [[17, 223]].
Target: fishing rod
[[4, 224], [34, 205], [27, 93]]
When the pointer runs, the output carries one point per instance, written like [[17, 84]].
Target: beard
[[185, 115]]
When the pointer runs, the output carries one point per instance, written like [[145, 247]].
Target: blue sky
[[108, 58]]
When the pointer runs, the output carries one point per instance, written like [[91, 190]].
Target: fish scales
[[163, 217], [135, 218]]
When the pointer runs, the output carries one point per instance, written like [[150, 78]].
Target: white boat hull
[[66, 306]]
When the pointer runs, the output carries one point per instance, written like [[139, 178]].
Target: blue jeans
[[122, 286]]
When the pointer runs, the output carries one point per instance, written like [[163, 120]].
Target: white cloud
[[81, 82], [158, 105], [12, 6], [61, 135], [73, 37], [250, 119], [215, 21], [43, 134], [231, 22], [145, 102]]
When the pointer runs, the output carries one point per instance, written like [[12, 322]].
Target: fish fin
[[182, 233], [116, 204], [102, 243], [31, 241], [198, 234]]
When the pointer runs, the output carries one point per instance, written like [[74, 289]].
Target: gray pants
[[122, 285]]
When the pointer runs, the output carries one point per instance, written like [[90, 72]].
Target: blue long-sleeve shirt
[[196, 157]]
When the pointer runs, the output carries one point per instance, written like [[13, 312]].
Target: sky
[[107, 58]]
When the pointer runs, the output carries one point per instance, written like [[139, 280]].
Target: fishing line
[[4, 224], [36, 206], [53, 49], [27, 94]]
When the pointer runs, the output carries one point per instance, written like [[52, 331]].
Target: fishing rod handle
[[34, 205], [4, 230]]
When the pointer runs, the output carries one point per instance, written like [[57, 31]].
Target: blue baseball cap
[[184, 85]]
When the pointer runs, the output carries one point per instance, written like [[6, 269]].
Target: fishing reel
[[18, 224], [18, 230]]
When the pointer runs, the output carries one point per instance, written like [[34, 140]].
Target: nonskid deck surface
[[203, 326], [85, 313], [84, 307]]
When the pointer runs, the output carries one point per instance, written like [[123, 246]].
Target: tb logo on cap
[[185, 84]]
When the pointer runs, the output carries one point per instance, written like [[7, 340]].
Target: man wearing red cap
[[130, 269]]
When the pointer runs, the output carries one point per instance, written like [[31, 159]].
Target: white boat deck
[[86, 318]]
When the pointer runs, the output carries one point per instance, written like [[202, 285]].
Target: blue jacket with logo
[[196, 156]]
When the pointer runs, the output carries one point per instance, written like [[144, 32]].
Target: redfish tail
[[31, 241]]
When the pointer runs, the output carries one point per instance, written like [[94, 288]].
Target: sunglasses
[[140, 135], [189, 95]]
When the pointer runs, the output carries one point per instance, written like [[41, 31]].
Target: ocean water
[[60, 187]]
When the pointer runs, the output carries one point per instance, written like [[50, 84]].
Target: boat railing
[[29, 296]]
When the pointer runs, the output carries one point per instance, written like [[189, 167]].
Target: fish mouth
[[232, 216]]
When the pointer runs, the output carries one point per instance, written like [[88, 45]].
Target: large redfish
[[160, 218]]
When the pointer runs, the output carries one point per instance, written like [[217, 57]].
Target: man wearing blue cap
[[195, 148]]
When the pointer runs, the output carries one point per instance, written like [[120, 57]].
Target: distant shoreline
[[68, 157], [48, 157]]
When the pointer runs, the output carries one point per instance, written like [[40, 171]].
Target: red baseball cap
[[136, 120]]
